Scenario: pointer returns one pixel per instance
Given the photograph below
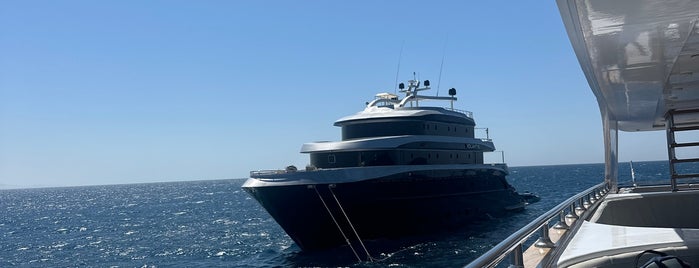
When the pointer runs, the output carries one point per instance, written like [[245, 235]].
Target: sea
[[216, 224]]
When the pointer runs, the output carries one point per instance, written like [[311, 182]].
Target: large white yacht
[[641, 60], [402, 167]]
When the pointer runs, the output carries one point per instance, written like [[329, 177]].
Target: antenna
[[633, 174], [400, 56], [441, 65]]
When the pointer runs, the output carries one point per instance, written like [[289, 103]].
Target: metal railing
[[490, 157], [468, 114], [575, 206], [258, 173]]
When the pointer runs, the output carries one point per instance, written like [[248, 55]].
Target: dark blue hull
[[322, 216]]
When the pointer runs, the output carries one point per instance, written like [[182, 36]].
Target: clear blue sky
[[104, 92]]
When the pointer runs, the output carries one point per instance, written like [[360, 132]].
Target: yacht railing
[[494, 157], [268, 172], [467, 113], [258, 173], [569, 211]]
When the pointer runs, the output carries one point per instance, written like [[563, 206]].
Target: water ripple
[[215, 224]]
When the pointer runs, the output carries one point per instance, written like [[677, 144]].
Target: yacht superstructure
[[401, 168]]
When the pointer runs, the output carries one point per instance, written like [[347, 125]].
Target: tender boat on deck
[[641, 60], [400, 168]]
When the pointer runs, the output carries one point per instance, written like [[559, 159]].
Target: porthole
[[331, 159]]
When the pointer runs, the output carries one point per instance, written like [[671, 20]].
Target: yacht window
[[331, 159]]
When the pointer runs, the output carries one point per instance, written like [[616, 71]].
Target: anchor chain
[[337, 224], [350, 223]]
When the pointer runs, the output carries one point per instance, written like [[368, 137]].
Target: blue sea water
[[215, 223]]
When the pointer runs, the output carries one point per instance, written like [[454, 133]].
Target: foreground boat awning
[[641, 58]]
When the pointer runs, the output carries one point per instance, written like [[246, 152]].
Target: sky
[[110, 92]]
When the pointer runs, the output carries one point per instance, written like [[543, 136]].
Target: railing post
[[585, 202], [517, 257], [593, 198], [561, 225], [579, 209], [544, 241], [571, 216]]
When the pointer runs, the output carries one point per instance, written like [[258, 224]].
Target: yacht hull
[[325, 215]]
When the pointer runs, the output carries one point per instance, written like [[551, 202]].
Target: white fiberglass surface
[[594, 240], [641, 59]]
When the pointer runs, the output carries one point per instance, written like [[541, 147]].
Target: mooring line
[[337, 224], [350, 223]]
